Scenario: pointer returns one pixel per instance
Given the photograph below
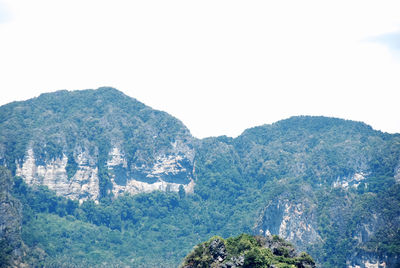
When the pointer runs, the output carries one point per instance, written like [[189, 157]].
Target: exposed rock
[[278, 246], [167, 174], [82, 186], [10, 224], [246, 251], [217, 250], [235, 261], [363, 259], [346, 182], [116, 158], [87, 144], [397, 173], [367, 228], [295, 221]]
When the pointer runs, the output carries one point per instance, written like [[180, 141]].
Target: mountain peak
[[95, 143]]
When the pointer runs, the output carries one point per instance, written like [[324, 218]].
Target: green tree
[[181, 192]]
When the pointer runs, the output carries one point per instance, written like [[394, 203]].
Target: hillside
[[90, 144], [11, 246], [102, 178], [246, 251]]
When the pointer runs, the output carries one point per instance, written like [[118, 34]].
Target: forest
[[343, 175]]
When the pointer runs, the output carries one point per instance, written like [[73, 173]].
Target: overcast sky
[[219, 66]]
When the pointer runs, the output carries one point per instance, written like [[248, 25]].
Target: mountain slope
[[11, 246], [323, 184], [328, 185], [86, 144]]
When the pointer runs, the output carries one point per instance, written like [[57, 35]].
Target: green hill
[[246, 251], [104, 179]]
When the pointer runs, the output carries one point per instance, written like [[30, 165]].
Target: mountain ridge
[[84, 131], [324, 181]]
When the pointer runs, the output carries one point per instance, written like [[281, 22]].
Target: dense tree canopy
[[300, 158]]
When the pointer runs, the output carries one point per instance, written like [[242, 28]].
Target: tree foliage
[[235, 179]]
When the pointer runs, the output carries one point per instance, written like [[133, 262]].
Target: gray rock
[[10, 219], [218, 250]]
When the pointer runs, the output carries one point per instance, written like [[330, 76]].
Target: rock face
[[90, 144], [397, 173], [352, 181], [166, 173], [10, 224], [366, 257], [368, 260], [307, 179], [293, 220], [296, 220], [82, 186]]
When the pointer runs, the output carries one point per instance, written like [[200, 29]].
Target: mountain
[[93, 143], [102, 178], [328, 185]]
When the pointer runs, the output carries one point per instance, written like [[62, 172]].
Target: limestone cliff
[[95, 143], [294, 220], [167, 173], [307, 219], [326, 184], [84, 184], [397, 172]]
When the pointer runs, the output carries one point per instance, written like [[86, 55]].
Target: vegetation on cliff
[[246, 251], [341, 175], [87, 121], [11, 245]]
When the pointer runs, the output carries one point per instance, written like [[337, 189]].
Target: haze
[[219, 66]]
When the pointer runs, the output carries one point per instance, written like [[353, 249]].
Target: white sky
[[219, 66]]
